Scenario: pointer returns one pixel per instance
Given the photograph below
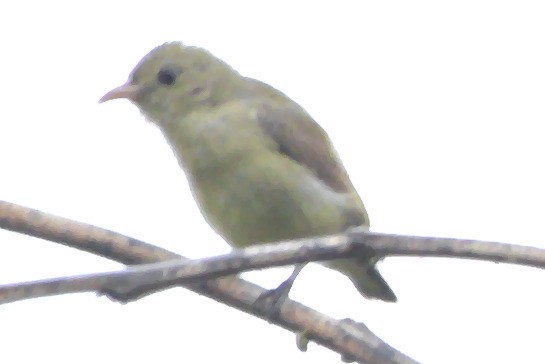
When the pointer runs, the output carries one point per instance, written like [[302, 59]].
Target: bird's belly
[[265, 201]]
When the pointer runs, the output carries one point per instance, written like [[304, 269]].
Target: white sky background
[[436, 108]]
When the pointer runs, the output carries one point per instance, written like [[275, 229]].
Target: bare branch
[[177, 272], [405, 245], [134, 281], [353, 341]]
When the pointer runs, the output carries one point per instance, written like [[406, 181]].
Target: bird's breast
[[265, 197]]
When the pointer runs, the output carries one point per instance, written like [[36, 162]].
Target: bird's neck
[[210, 139]]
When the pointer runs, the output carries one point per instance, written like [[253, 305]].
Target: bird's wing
[[300, 138]]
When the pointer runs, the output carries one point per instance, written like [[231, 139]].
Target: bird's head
[[174, 78]]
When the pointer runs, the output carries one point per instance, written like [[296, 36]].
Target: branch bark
[[139, 280], [176, 272], [352, 341]]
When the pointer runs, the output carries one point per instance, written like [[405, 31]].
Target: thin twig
[[355, 244], [179, 272]]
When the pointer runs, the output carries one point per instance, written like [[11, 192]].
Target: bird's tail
[[365, 277]]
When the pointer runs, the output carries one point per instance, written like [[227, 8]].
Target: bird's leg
[[271, 300]]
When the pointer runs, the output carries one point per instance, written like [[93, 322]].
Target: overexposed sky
[[436, 108]]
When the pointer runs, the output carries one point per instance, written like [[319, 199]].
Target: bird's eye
[[166, 76]]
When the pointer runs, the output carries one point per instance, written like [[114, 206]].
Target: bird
[[260, 168]]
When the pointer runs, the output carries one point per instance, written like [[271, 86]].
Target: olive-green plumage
[[260, 168]]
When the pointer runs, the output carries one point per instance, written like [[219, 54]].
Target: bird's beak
[[126, 91]]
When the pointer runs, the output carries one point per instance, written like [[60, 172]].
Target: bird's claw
[[270, 302]]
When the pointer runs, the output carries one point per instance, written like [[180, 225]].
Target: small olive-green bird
[[260, 168]]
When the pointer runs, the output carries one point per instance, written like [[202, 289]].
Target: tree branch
[[178, 272], [136, 281], [353, 341]]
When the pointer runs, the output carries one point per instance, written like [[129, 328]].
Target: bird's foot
[[270, 302]]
